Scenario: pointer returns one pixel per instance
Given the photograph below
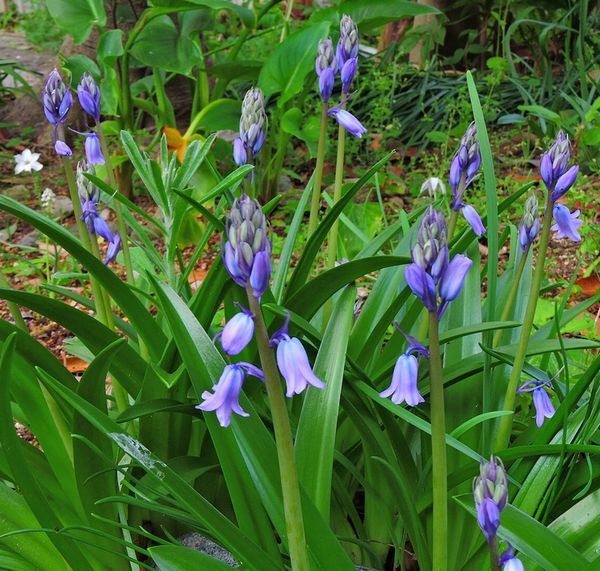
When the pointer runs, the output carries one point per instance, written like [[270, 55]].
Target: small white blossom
[[47, 198], [27, 162], [432, 185]]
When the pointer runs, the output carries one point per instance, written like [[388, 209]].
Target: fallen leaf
[[589, 286]]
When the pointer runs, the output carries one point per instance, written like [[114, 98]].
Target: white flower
[[27, 161], [432, 185], [47, 198]]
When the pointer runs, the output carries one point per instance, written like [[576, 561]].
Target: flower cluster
[[463, 169], [57, 106], [344, 61], [559, 178], [247, 252], [247, 259], [541, 401], [432, 277], [89, 196], [490, 490], [58, 102], [529, 227], [404, 378], [253, 127]]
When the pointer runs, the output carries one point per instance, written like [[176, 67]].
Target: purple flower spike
[[567, 223], [564, 183], [93, 149], [88, 93], [247, 255], [348, 121], [454, 277], [326, 83], [347, 46], [239, 152], [226, 393], [404, 382], [57, 99], [555, 162], [543, 406], [488, 518], [347, 74], [473, 219], [529, 227], [490, 491], [253, 120], [464, 166], [238, 332], [62, 149]]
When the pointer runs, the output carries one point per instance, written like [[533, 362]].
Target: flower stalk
[[316, 191], [290, 486], [438, 448], [337, 194], [505, 427]]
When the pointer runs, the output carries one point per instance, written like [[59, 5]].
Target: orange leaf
[[589, 286]]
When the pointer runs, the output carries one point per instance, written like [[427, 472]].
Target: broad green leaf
[[286, 68], [307, 300], [160, 44], [77, 17], [315, 437], [110, 47], [246, 15], [369, 14], [219, 115]]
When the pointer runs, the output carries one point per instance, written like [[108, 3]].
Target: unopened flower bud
[[88, 93], [347, 46], [253, 120]]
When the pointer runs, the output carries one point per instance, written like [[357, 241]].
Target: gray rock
[[18, 192], [62, 207], [30, 240]]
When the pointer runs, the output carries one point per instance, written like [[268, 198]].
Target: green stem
[[316, 192], [493, 545], [290, 486], [337, 194], [452, 224], [438, 449], [117, 208], [512, 296], [286, 24], [505, 428]]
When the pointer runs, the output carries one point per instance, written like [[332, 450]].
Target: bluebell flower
[[347, 46], [326, 66], [293, 363], [238, 332], [509, 561], [490, 492], [247, 252], [88, 93], [564, 183], [347, 74], [226, 393], [89, 196], [348, 121], [404, 382], [473, 219], [434, 279], [567, 223], [58, 102], [239, 152], [529, 227], [541, 401], [93, 149]]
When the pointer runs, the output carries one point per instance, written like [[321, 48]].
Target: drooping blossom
[[226, 393], [510, 562], [567, 223], [432, 185], [237, 332], [541, 401], [293, 363], [348, 121]]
